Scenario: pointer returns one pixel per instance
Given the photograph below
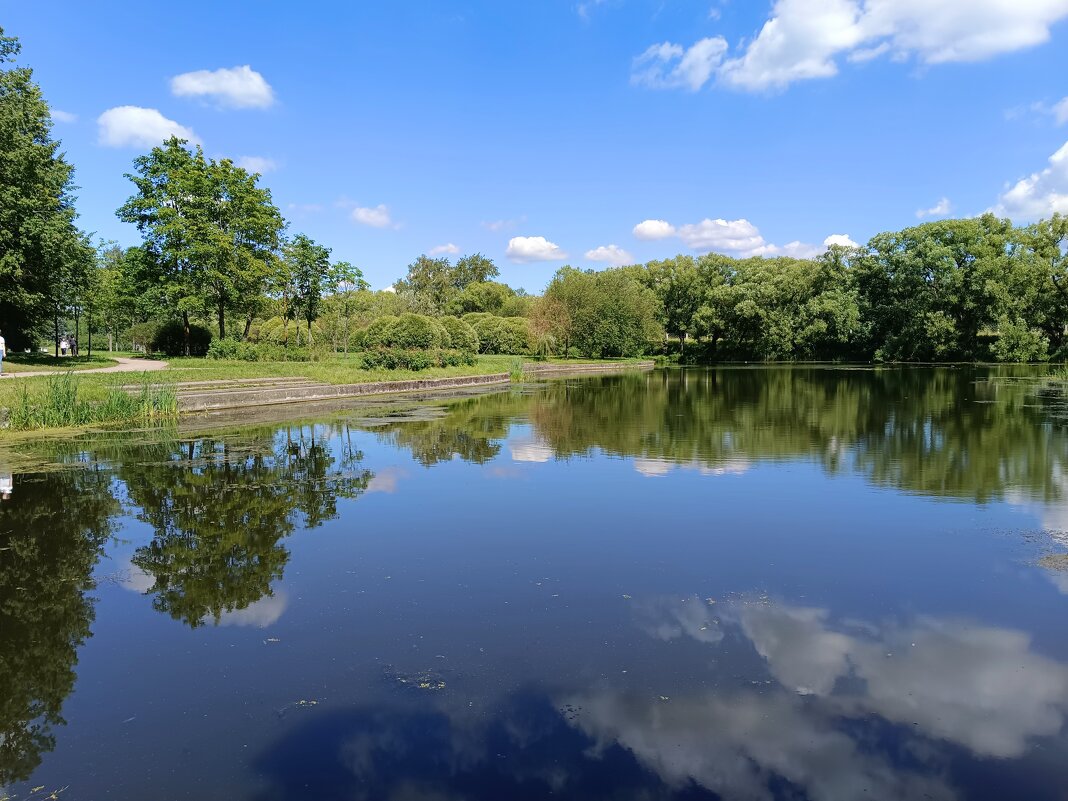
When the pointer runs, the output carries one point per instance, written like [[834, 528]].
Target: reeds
[[58, 405]]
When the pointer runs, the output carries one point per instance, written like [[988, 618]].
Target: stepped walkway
[[204, 396]]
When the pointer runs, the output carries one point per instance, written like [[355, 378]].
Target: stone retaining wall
[[236, 398]]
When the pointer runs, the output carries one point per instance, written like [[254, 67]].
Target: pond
[[772, 583]]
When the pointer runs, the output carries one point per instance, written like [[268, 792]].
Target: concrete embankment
[[205, 396]]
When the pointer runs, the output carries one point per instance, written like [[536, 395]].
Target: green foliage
[[607, 313], [46, 264], [419, 359], [375, 335], [433, 286], [415, 332], [59, 405], [1018, 342], [173, 339], [461, 335], [510, 335]]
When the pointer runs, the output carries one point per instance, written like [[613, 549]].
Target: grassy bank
[[59, 402], [69, 400], [32, 362]]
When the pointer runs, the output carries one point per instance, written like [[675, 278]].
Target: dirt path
[[123, 366]]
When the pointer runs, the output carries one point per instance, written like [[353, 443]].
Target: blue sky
[[390, 129]]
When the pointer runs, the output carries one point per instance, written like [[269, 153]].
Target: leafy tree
[[172, 209], [245, 227], [307, 276], [45, 262]]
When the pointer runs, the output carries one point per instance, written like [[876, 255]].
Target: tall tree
[[307, 266], [246, 227], [43, 256], [172, 209]]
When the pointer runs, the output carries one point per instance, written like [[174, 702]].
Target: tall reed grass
[[57, 405]]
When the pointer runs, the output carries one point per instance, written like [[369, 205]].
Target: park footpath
[[123, 366]]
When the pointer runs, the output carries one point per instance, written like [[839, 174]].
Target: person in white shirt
[[3, 353], [7, 485]]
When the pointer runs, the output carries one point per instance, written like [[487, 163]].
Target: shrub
[[1019, 343], [375, 333], [170, 339], [502, 334], [462, 336], [414, 331], [412, 359]]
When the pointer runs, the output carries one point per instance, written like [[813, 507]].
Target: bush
[[462, 335], [1019, 343], [502, 334], [170, 339], [412, 359], [415, 332], [375, 333]]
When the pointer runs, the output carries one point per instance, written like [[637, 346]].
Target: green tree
[[306, 277], [173, 208], [44, 259]]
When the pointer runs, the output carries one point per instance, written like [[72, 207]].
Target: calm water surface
[[821, 584]]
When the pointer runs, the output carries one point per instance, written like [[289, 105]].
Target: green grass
[[58, 402], [32, 362], [67, 400]]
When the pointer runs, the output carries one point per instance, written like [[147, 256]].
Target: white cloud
[[236, 87], [502, 225], [446, 248], [939, 209], [525, 249], [804, 39], [377, 217], [1039, 194], [612, 254], [133, 126], [1060, 111], [733, 236], [798, 42], [63, 116], [259, 164], [391, 289], [654, 229], [305, 208], [841, 240], [671, 66]]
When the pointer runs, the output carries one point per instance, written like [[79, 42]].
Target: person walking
[[3, 352]]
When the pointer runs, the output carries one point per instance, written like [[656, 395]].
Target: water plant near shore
[[57, 404]]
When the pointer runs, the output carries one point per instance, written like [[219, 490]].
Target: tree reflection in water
[[52, 532], [220, 509]]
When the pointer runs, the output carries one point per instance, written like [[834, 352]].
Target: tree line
[[217, 261]]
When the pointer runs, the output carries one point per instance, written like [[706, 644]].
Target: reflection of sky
[[979, 687], [654, 467], [258, 614]]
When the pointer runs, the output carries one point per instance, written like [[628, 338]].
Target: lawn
[[31, 362]]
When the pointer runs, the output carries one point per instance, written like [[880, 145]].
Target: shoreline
[[210, 400]]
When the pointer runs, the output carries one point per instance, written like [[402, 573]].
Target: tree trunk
[[89, 331], [309, 332], [185, 331], [248, 325], [222, 320], [56, 339], [111, 343]]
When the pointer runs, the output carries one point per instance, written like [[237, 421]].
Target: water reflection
[[820, 724], [221, 510], [957, 432], [47, 553]]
